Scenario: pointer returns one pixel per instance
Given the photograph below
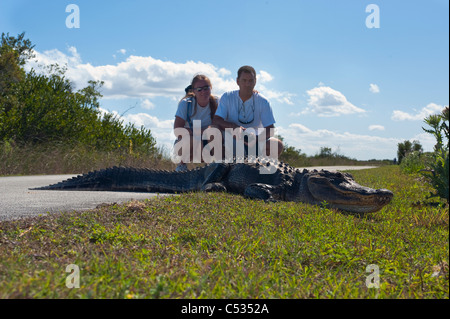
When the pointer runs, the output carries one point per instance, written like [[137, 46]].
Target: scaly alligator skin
[[338, 190]]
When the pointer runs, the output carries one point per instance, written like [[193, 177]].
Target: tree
[[23, 47], [439, 127], [14, 52], [406, 148], [325, 152]]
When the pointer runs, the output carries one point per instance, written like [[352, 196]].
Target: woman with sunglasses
[[198, 104], [246, 108]]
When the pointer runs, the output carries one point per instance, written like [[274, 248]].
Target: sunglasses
[[204, 88]]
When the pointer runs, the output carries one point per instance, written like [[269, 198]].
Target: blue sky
[[332, 81]]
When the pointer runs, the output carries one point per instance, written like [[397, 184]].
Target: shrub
[[414, 162], [437, 173]]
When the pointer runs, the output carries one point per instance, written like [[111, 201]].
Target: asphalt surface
[[18, 201]]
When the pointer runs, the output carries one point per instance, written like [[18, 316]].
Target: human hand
[[241, 131]]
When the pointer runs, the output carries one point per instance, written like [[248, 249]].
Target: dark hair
[[190, 93], [246, 69]]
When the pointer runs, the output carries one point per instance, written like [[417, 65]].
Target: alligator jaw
[[366, 203], [345, 194]]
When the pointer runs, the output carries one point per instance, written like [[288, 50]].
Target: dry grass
[[62, 159]]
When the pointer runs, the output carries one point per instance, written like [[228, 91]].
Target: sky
[[355, 76]]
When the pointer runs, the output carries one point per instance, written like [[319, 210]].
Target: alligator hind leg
[[260, 191], [214, 177], [214, 187]]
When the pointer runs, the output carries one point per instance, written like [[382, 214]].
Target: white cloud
[[147, 104], [264, 77], [301, 128], [224, 72], [328, 102], [282, 97], [376, 127], [121, 51], [141, 119], [146, 77], [430, 109], [374, 88], [271, 95], [148, 121], [137, 76], [54, 56]]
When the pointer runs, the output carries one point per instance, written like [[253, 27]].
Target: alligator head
[[339, 190]]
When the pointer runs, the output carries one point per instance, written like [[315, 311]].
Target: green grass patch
[[218, 245]]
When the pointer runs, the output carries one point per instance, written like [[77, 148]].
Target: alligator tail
[[132, 179]]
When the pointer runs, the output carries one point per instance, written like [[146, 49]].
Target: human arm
[[219, 122], [221, 118], [181, 118], [180, 123], [269, 131]]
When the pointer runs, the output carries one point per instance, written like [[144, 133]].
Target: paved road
[[17, 201]]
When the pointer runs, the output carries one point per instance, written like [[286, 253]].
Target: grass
[[218, 245]]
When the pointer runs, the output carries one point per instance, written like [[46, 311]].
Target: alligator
[[280, 182]]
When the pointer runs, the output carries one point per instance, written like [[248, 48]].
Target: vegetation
[[44, 110], [218, 245], [406, 148], [415, 162], [434, 166], [439, 165]]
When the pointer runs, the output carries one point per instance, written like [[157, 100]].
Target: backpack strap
[[190, 102]]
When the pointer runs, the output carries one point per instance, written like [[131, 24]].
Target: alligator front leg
[[260, 191]]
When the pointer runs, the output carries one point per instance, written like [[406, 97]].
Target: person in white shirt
[[246, 108], [197, 105]]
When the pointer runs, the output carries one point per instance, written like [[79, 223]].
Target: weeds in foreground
[[205, 245]]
